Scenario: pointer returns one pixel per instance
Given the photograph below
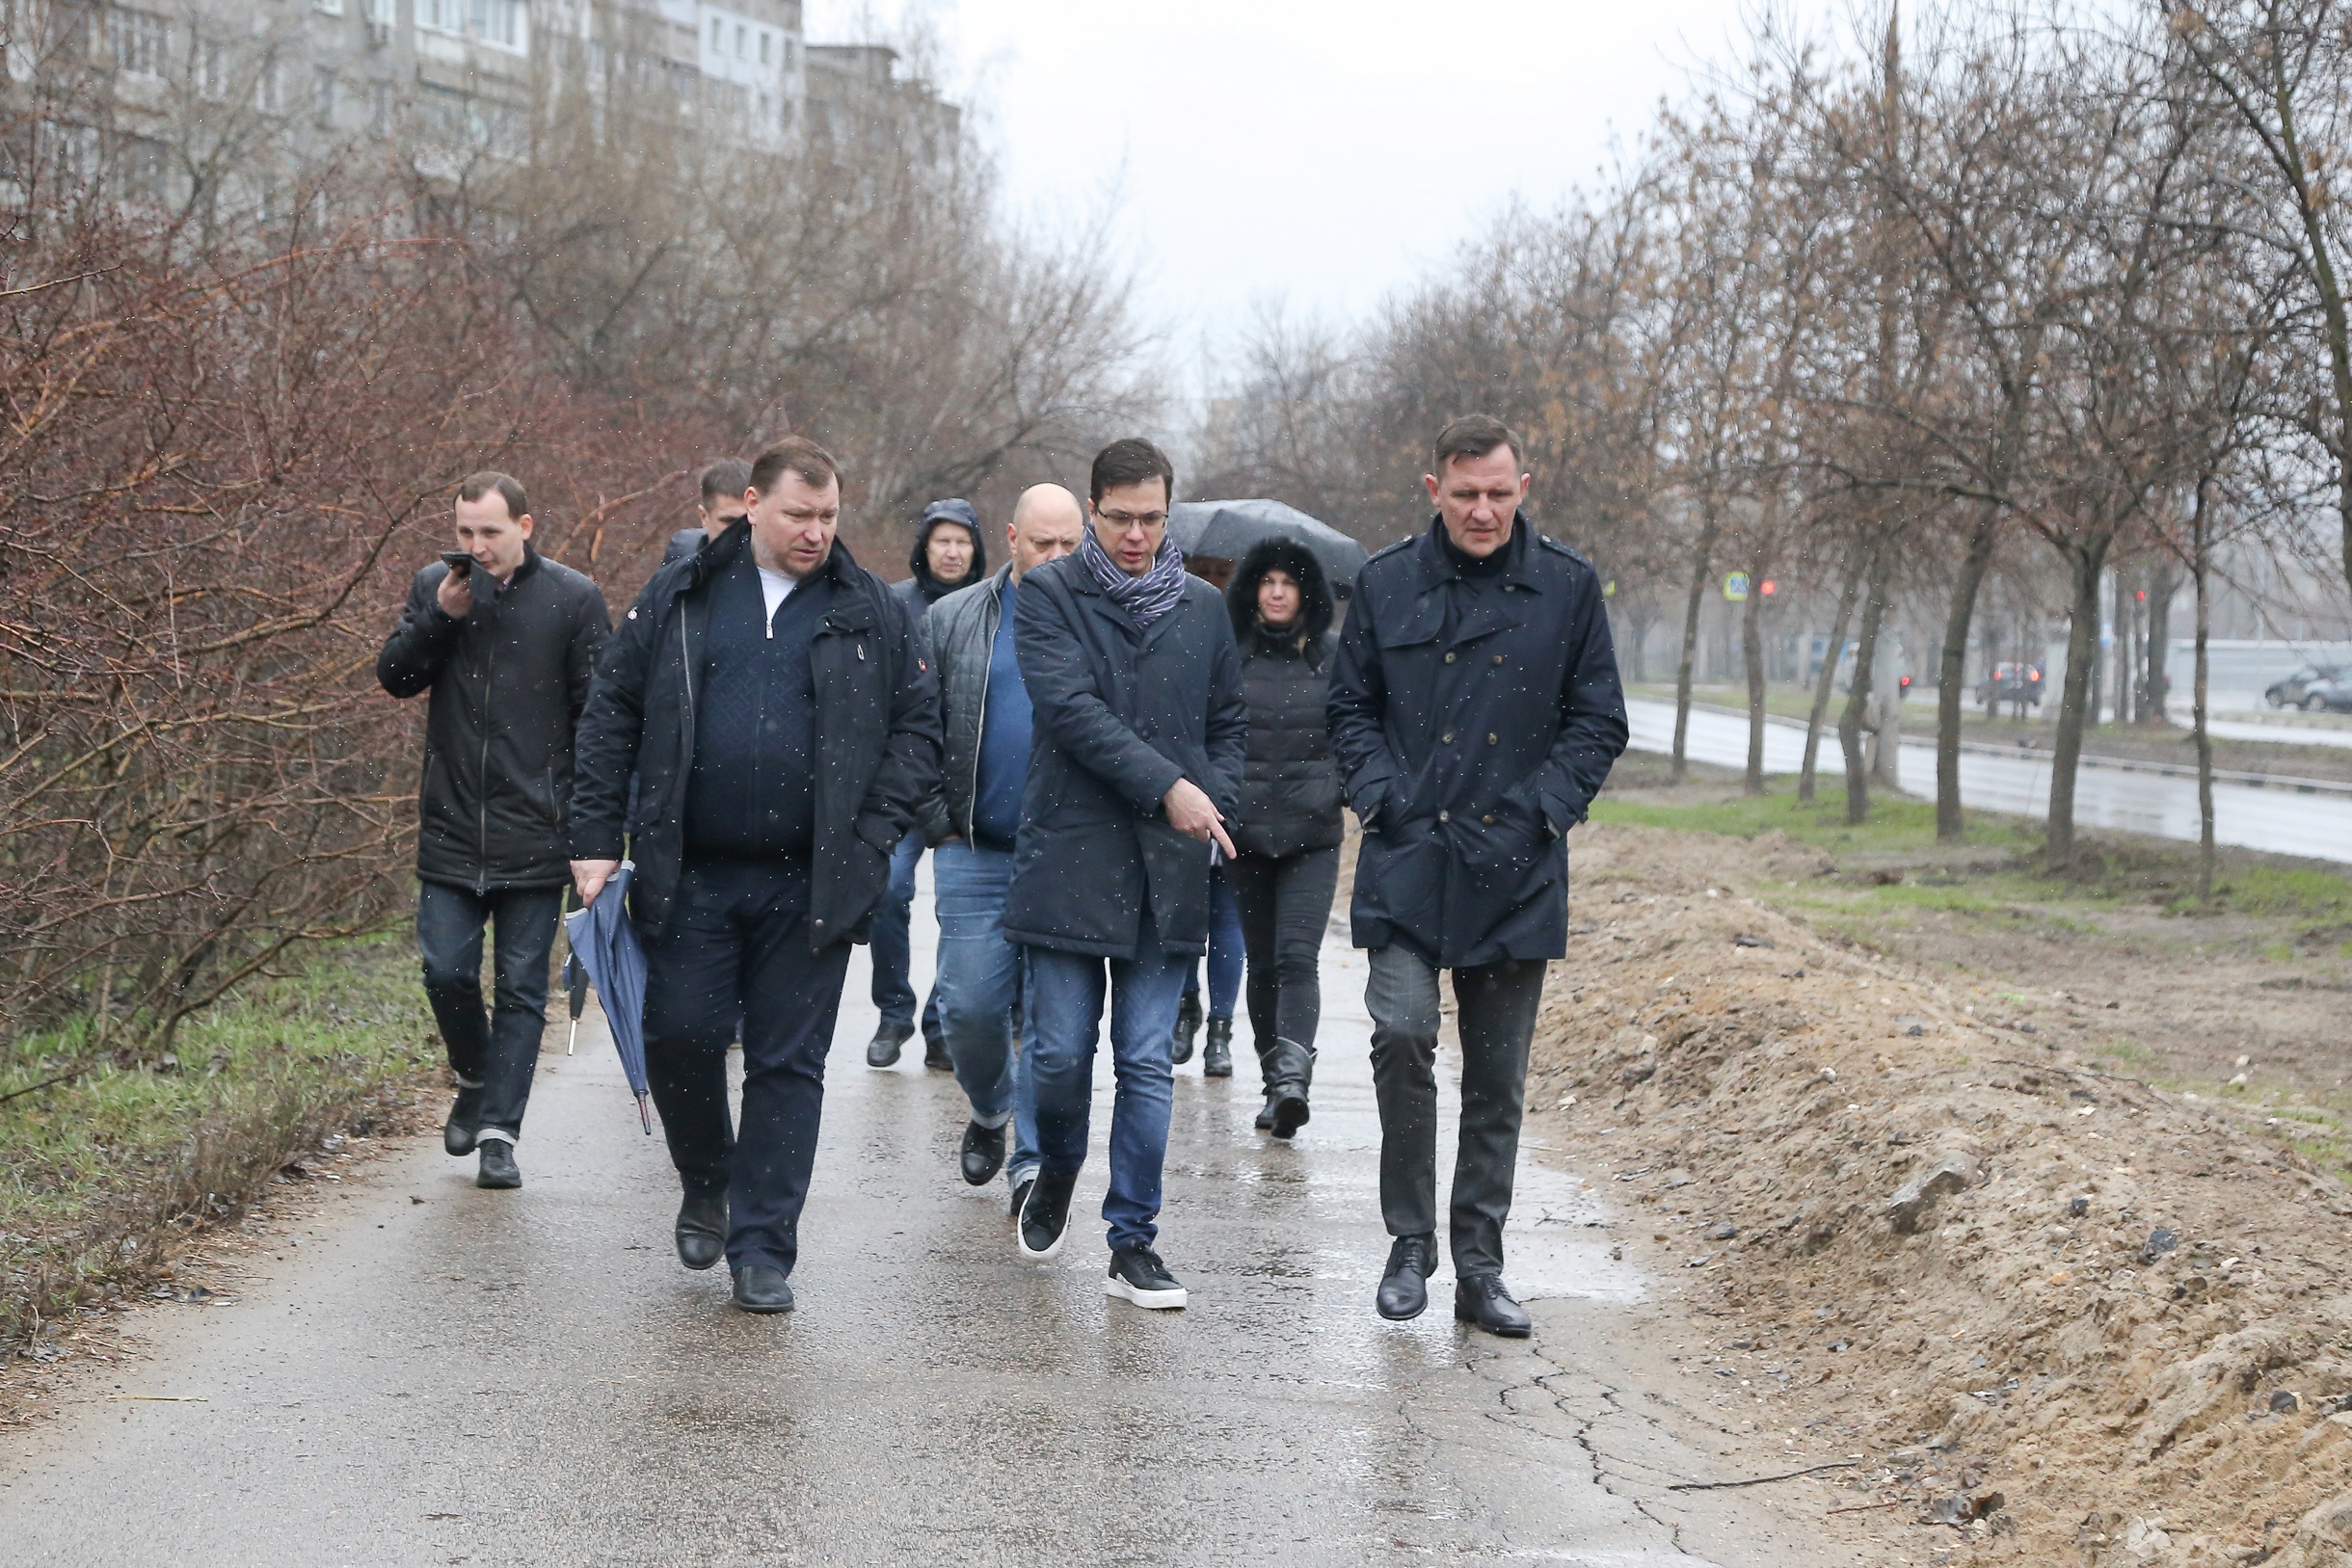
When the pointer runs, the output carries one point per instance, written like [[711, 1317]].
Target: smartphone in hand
[[459, 563]]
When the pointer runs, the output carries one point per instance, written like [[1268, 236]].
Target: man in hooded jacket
[[947, 556]]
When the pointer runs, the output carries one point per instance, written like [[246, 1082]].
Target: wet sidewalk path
[[530, 1378]]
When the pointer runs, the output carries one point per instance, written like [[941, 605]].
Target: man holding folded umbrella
[[766, 692]]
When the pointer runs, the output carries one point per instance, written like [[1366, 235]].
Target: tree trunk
[[1952, 674], [1752, 647], [2163, 579], [1858, 693], [1702, 564], [2090, 563], [2201, 565], [1832, 654]]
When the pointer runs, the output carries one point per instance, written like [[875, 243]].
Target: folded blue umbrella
[[604, 941]]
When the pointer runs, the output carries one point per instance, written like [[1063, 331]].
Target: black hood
[[961, 513], [1316, 606]]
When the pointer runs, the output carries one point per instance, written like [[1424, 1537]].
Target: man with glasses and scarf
[[1134, 763]]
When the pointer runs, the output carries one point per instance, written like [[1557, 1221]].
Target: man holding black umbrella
[[766, 692]]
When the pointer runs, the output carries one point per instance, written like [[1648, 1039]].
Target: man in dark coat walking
[[718, 501], [506, 647], [1134, 763], [766, 692], [1475, 710], [947, 558]]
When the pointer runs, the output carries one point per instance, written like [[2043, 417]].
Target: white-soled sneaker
[[1138, 1275]]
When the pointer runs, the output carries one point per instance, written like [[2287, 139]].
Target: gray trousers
[[1497, 1006]]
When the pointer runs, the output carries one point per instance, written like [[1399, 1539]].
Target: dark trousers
[[497, 1051], [738, 947], [1497, 1017], [891, 932], [1286, 905]]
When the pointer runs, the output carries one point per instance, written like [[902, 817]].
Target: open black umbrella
[[1227, 529], [605, 942]]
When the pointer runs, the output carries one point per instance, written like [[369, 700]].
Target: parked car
[[2017, 684], [2314, 688]]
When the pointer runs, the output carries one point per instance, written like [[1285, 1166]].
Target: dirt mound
[[2061, 1317]]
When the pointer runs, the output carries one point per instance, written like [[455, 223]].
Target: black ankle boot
[[1286, 1102], [1265, 1072], [1187, 1025], [1216, 1056]]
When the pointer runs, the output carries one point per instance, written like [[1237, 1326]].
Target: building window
[[380, 108], [765, 39], [209, 67], [380, 11], [440, 16], [327, 8], [322, 93], [742, 41], [498, 22], [139, 41], [718, 30], [789, 52], [266, 94]]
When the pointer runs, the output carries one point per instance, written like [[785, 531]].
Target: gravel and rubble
[[2054, 1314]]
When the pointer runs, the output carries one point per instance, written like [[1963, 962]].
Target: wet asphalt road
[[2279, 821], [530, 1379]]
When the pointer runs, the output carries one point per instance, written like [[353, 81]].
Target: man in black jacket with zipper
[[1474, 712], [506, 647], [767, 693]]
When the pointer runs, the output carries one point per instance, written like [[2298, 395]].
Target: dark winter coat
[[877, 739], [683, 544], [1473, 728], [508, 684], [1120, 715], [1290, 784], [920, 592]]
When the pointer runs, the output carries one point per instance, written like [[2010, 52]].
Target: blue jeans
[[978, 993], [496, 1051], [1225, 951], [1064, 996], [893, 944]]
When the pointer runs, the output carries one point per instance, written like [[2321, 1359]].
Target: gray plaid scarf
[[1147, 597]]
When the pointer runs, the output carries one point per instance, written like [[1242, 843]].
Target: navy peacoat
[[1120, 714], [1474, 718]]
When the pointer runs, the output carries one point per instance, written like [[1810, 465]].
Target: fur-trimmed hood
[[1316, 609]]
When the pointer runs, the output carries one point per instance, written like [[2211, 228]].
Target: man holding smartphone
[[505, 640]]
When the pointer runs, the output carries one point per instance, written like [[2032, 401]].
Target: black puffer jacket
[[508, 684], [1289, 783]]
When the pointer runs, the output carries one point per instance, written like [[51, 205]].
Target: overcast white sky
[[1318, 151]]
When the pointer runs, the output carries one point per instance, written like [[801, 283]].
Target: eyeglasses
[[1132, 519]]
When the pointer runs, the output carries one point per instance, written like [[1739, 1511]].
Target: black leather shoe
[[935, 1054], [882, 1051], [1021, 1195], [1404, 1289], [1480, 1300], [1187, 1025], [465, 1121], [701, 1231], [1044, 1217], [983, 1153], [498, 1168], [1216, 1056], [761, 1288]]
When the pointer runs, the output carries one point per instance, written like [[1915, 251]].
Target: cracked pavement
[[530, 1377]]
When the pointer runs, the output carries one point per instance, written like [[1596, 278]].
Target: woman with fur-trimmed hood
[[1288, 828]]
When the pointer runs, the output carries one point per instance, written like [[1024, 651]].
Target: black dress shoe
[[1045, 1216], [701, 1231], [465, 1121], [1480, 1299], [983, 1153], [882, 1051], [1216, 1056], [761, 1288], [498, 1168], [1404, 1289]]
